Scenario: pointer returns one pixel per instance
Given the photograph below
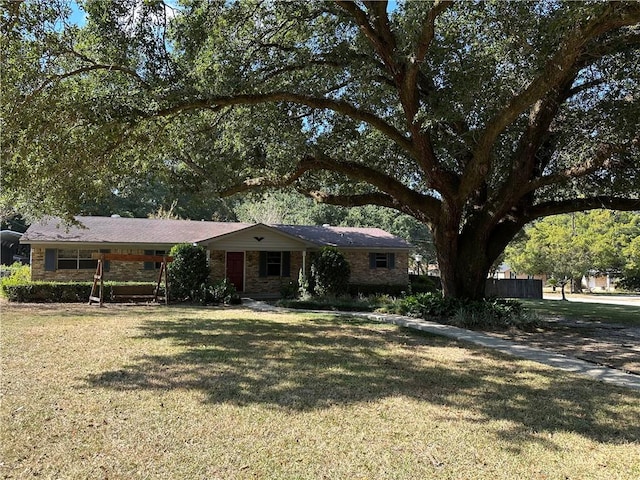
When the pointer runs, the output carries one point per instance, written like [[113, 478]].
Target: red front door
[[235, 269]]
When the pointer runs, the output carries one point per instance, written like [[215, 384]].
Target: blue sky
[[78, 17]]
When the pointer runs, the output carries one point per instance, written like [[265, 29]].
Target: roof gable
[[258, 237]]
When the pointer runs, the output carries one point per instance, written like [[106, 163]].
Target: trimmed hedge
[[56, 292]]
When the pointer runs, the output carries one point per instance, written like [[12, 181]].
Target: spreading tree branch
[[428, 206], [373, 198], [546, 209], [89, 68], [338, 106], [422, 45], [557, 70], [528, 163], [602, 159], [383, 42]]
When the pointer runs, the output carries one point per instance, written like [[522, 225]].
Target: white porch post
[[304, 263]]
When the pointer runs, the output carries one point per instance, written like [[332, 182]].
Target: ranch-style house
[[258, 259]]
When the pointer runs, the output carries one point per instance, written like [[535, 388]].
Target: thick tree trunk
[[464, 265], [466, 258], [463, 277]]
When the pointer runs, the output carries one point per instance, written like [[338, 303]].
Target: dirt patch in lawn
[[616, 346]]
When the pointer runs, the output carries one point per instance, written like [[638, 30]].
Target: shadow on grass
[[325, 362]]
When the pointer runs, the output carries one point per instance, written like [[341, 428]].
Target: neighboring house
[[256, 258], [598, 282], [505, 272]]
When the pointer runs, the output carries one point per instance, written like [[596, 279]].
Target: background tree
[[286, 208], [631, 272], [475, 118], [571, 246], [551, 247]]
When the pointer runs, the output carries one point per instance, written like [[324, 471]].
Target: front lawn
[[591, 312], [183, 392]]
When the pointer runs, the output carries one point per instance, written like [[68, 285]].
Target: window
[[154, 265], [382, 260], [275, 264], [75, 259]]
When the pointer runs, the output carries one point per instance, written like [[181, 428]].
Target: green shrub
[[289, 290], [488, 313], [53, 292], [16, 274], [330, 272], [189, 272], [345, 303], [429, 305], [424, 284], [220, 292]]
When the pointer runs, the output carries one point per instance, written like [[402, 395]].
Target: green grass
[[176, 392], [591, 312]]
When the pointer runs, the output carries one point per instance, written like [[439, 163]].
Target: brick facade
[[217, 264], [257, 284], [118, 271], [361, 273]]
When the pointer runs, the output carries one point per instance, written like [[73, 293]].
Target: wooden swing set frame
[[129, 292]]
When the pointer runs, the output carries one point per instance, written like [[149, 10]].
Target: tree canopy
[[475, 118], [576, 245]]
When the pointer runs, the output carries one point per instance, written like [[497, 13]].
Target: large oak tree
[[473, 117]]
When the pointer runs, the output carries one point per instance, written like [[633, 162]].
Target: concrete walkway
[[546, 357]]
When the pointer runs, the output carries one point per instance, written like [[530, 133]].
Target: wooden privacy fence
[[140, 292], [514, 288]]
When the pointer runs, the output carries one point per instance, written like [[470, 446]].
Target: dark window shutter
[[391, 260], [263, 264], [50, 259], [149, 265], [107, 263], [286, 264], [372, 260]]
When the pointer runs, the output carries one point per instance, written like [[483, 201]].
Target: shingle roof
[[170, 232], [344, 236], [128, 230]]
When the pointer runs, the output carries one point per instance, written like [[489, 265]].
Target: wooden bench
[[133, 292], [130, 292]]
